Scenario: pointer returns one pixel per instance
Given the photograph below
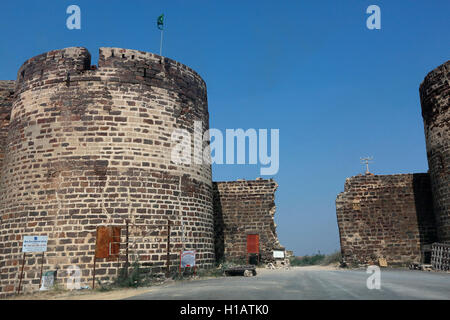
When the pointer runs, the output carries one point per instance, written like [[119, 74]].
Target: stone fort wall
[[91, 146], [6, 101], [435, 101], [395, 216], [385, 216], [242, 208]]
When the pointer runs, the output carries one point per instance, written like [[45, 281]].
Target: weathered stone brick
[[435, 101], [243, 208], [77, 134], [385, 216]]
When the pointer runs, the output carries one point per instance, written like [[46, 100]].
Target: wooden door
[[253, 243]]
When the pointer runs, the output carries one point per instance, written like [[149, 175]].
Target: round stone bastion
[[435, 101], [91, 147]]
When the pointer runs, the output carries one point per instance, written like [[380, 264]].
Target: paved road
[[309, 283]]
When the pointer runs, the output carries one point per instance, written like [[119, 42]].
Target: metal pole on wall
[[181, 215], [118, 262], [93, 278], [42, 268], [21, 273], [168, 249], [126, 251]]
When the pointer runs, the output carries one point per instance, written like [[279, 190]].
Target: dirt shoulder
[[112, 294], [313, 267], [123, 293], [115, 294], [320, 267]]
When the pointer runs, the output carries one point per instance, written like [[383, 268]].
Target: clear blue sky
[[336, 90]]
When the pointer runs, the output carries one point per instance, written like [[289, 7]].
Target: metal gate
[[440, 256]]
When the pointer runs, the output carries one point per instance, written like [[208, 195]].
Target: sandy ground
[[113, 294], [329, 267], [117, 294]]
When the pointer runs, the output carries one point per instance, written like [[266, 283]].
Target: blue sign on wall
[[187, 259]]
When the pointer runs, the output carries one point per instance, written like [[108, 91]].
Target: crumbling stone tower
[[92, 146], [435, 100]]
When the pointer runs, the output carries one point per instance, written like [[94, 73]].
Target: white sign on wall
[[278, 254], [34, 244]]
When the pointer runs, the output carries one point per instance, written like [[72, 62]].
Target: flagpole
[[160, 24], [160, 45]]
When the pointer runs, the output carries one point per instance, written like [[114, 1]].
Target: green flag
[[160, 22]]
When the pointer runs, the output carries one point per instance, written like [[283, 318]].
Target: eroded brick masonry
[[385, 216], [435, 100], [243, 208], [84, 146], [397, 216], [91, 146], [6, 100]]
